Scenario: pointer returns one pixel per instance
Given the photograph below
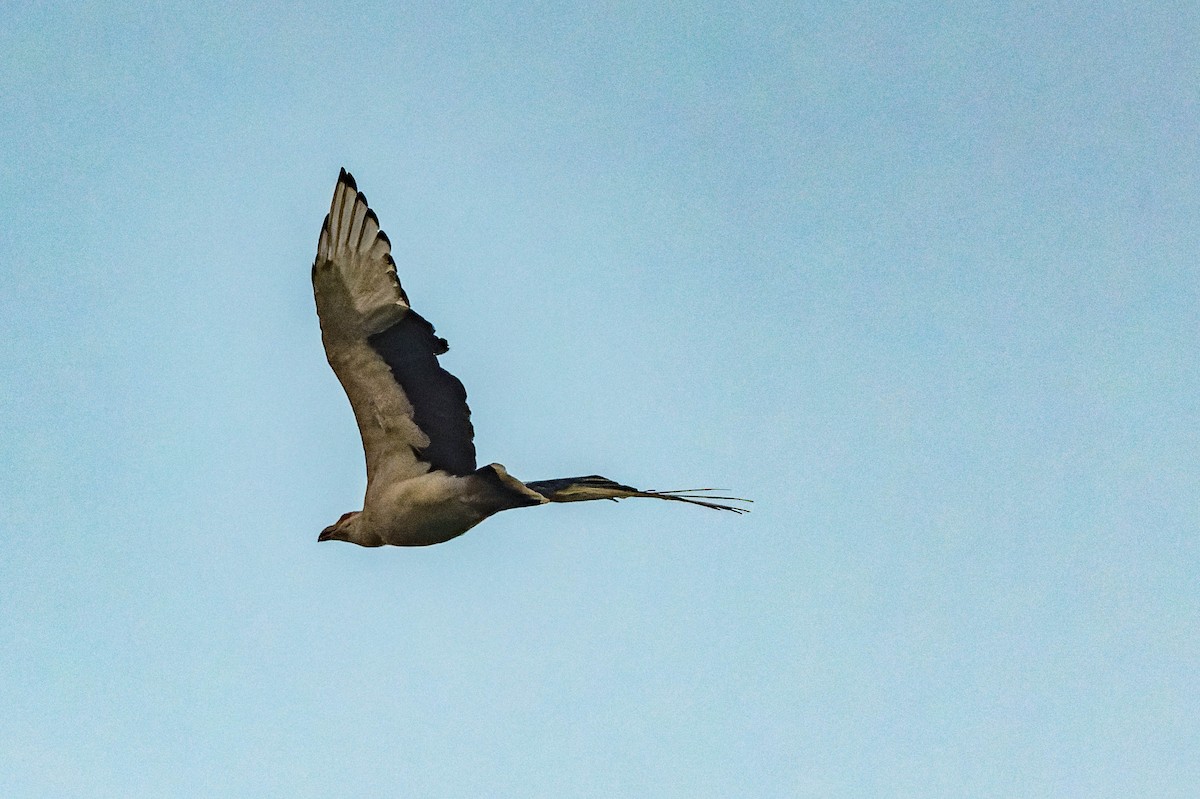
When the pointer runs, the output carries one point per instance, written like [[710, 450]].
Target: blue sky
[[921, 279]]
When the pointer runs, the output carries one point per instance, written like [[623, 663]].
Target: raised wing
[[412, 413]]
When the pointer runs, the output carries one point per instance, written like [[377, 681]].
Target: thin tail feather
[[582, 489]]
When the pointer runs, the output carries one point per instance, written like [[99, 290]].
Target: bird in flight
[[422, 484]]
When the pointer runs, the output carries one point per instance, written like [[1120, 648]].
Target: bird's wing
[[412, 413]]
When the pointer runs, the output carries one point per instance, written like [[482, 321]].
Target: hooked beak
[[326, 534]]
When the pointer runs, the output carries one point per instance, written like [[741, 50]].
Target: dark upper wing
[[410, 349], [412, 413]]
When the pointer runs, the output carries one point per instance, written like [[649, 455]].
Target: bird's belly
[[433, 525], [426, 510]]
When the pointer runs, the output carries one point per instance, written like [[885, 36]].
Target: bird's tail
[[581, 489]]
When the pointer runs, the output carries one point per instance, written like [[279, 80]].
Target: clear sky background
[[921, 279]]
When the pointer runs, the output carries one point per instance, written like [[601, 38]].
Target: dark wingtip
[[383, 235], [347, 178]]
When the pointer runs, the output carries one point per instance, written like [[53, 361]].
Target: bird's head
[[344, 529]]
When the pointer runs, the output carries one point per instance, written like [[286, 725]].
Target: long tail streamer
[[582, 489]]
